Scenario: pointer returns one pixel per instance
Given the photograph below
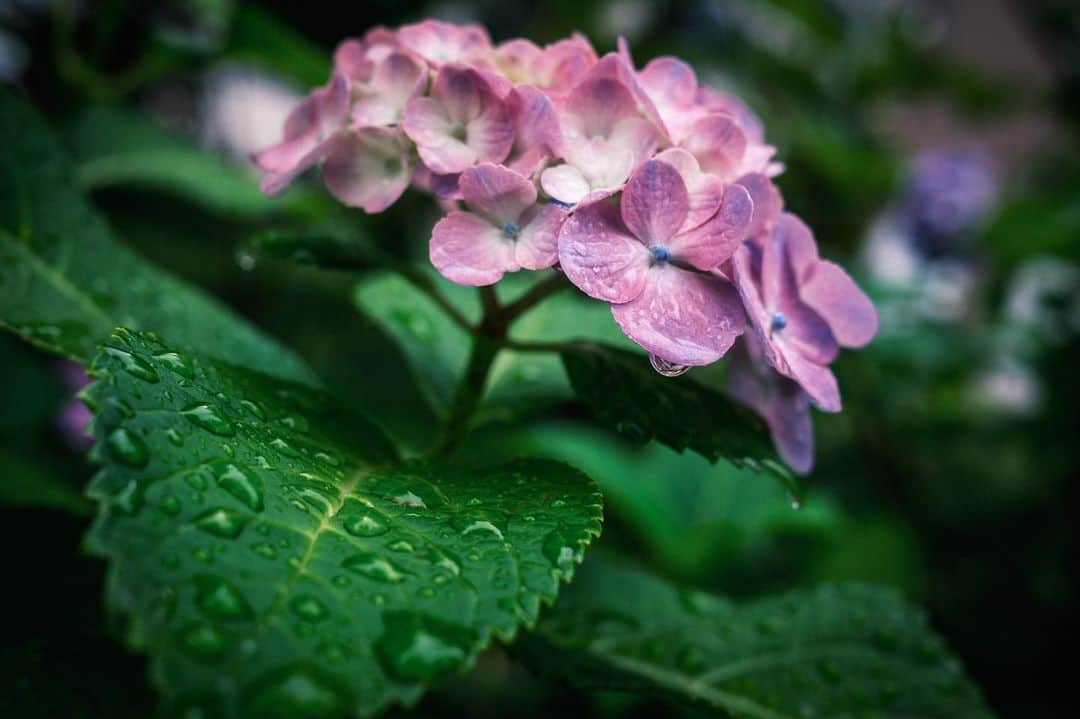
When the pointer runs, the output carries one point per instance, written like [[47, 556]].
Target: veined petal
[[798, 243], [705, 191], [850, 314], [711, 243], [684, 317], [497, 193], [397, 78], [817, 381], [518, 59], [535, 122], [537, 246], [767, 202], [564, 63], [600, 256], [594, 107], [565, 183], [654, 203], [441, 42], [718, 144], [469, 250], [671, 84], [367, 167]]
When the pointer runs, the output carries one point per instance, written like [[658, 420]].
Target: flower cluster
[[650, 191]]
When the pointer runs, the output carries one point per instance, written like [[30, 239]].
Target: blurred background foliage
[[931, 145]]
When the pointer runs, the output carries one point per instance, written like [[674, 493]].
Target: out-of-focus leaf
[[836, 651], [260, 37], [113, 147], [625, 393], [26, 483], [65, 283], [695, 518], [276, 559], [332, 246]]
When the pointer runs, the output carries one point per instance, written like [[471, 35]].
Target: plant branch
[[423, 283], [536, 294]]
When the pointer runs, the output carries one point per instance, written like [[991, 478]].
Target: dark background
[[931, 146]]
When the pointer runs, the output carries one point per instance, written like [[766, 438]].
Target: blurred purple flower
[[74, 417]]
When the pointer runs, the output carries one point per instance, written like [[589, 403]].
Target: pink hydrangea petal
[[715, 101], [518, 59], [654, 203], [745, 272], [443, 187], [799, 244], [705, 191], [831, 292], [397, 78], [718, 144], [804, 330], [600, 256], [497, 193], [711, 243], [781, 403], [613, 67], [322, 112], [565, 183], [604, 166], [670, 82], [767, 202], [490, 134], [564, 63], [469, 250], [684, 317], [367, 168], [536, 124], [817, 381], [275, 183], [537, 246], [636, 135], [808, 334], [594, 107], [441, 42]]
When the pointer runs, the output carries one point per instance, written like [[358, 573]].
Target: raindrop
[[208, 417], [557, 550], [134, 366], [241, 484], [284, 448], [374, 567], [125, 447], [417, 647], [174, 437], [221, 522], [308, 608], [203, 639], [298, 691], [254, 408], [219, 599], [665, 368], [178, 364], [368, 524], [264, 550], [409, 500], [170, 505]]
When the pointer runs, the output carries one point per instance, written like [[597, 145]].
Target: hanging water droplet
[[221, 522], [667, 369], [241, 484], [796, 503], [210, 418], [246, 259], [125, 447], [374, 567], [308, 608], [134, 366]]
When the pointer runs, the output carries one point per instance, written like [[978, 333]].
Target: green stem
[[469, 392]]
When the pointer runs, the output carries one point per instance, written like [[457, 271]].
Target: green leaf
[[114, 147], [835, 651], [28, 482], [277, 561], [695, 519], [65, 282], [624, 392], [259, 36], [331, 245]]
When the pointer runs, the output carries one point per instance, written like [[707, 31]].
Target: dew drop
[[221, 522], [415, 647], [241, 484], [134, 366], [254, 408], [174, 437], [125, 447], [202, 639], [665, 368], [374, 567], [298, 692], [219, 599], [409, 499], [367, 524], [170, 505], [264, 550], [209, 417], [308, 608], [557, 550], [284, 448], [178, 364]]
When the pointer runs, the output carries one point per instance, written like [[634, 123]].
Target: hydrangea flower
[[460, 123], [504, 231], [646, 256], [802, 308], [651, 191]]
